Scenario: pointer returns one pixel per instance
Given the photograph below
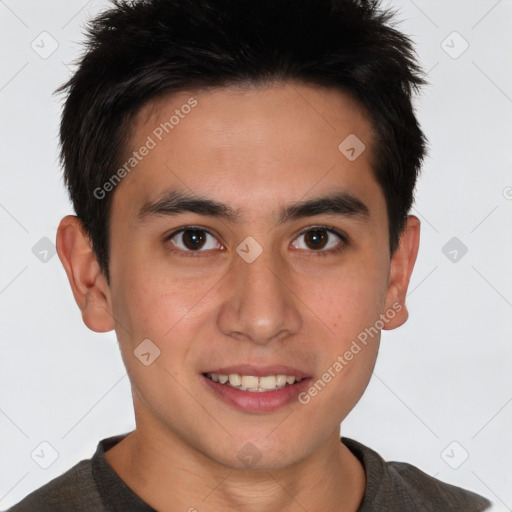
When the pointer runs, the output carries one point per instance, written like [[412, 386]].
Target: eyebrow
[[340, 203]]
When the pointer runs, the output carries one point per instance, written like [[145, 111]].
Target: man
[[242, 174]]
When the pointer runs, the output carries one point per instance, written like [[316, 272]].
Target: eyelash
[[312, 253]]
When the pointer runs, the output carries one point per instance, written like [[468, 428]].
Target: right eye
[[193, 239]]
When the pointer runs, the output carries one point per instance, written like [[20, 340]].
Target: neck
[[170, 475]]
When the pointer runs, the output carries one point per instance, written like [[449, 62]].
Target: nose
[[259, 303]]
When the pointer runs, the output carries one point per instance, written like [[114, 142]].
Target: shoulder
[[73, 490], [402, 486], [433, 493]]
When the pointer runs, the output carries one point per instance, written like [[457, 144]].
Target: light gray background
[[443, 377]]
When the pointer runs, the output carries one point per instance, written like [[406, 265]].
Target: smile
[[253, 383]]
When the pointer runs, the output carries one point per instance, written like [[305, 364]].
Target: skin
[[256, 149]]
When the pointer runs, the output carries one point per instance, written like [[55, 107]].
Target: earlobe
[[402, 264], [88, 283]]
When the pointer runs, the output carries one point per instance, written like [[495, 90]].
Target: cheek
[[350, 304], [349, 352], [350, 300], [151, 299]]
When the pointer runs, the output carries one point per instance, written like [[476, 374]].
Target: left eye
[[318, 238]]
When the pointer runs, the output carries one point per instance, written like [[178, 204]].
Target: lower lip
[[257, 401]]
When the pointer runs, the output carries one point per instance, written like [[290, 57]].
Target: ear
[[88, 283], [402, 264]]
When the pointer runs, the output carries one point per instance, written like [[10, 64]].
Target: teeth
[[235, 379], [253, 383], [268, 382], [248, 382], [282, 379]]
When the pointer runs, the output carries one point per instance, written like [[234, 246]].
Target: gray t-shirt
[[92, 485]]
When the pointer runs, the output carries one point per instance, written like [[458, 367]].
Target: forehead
[[247, 145]]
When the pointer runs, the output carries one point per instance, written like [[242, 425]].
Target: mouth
[[256, 389], [253, 383]]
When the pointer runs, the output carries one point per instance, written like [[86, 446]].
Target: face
[[245, 242]]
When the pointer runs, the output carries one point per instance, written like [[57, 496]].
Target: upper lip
[[260, 370]]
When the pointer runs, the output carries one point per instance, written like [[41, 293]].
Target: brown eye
[[194, 240], [322, 240], [316, 239]]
